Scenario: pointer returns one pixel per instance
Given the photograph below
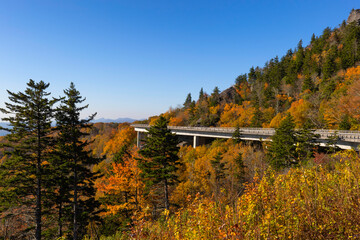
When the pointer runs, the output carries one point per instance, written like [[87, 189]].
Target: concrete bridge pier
[[200, 140], [140, 137], [196, 141]]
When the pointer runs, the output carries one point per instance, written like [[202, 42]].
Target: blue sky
[[137, 58]]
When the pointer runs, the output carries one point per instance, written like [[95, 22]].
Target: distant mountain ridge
[[3, 132], [103, 120], [118, 120]]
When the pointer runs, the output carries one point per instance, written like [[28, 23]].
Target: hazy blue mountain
[[118, 120], [2, 132], [104, 120]]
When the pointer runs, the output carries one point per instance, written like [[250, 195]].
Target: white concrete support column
[[196, 141], [138, 139]]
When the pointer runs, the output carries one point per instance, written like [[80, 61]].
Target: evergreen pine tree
[[308, 66], [201, 94], [257, 119], [192, 112], [281, 150], [299, 57], [345, 123], [305, 142], [308, 84], [241, 168], [236, 136], [329, 66], [313, 38], [219, 169], [218, 166], [72, 147], [59, 198], [160, 150], [188, 101], [331, 144], [214, 98], [252, 76], [30, 139], [241, 79], [343, 24], [351, 44]]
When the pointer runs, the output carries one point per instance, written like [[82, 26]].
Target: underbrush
[[317, 201]]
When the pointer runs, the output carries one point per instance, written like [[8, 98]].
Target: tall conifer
[[72, 148], [281, 151], [160, 150], [188, 101], [30, 140], [236, 136]]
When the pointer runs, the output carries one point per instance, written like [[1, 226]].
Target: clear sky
[[133, 58]]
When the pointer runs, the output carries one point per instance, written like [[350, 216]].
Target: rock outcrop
[[228, 95], [354, 16]]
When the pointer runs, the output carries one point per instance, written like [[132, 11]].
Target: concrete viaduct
[[202, 135]]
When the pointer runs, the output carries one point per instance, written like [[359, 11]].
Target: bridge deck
[[346, 139]]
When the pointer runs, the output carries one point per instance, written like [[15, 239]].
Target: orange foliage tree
[[122, 186], [275, 122], [349, 104], [352, 74], [123, 137], [243, 89], [180, 119], [234, 114]]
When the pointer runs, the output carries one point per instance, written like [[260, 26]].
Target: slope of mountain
[[317, 84]]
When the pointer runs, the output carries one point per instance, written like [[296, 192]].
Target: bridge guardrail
[[354, 136]]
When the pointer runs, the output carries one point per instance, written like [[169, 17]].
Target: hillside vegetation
[[318, 83], [320, 201], [236, 190], [96, 184]]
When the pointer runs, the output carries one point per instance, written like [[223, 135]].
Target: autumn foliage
[[227, 189], [122, 181], [318, 83], [123, 136], [314, 202]]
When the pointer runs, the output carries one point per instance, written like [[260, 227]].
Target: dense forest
[[318, 83], [81, 180]]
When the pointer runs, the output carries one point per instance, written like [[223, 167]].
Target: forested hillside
[[318, 83], [231, 189], [288, 188], [84, 180]]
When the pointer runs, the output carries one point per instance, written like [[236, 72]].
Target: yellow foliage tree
[[198, 174], [299, 111], [234, 114], [331, 112], [124, 136], [152, 120], [268, 115], [275, 122]]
